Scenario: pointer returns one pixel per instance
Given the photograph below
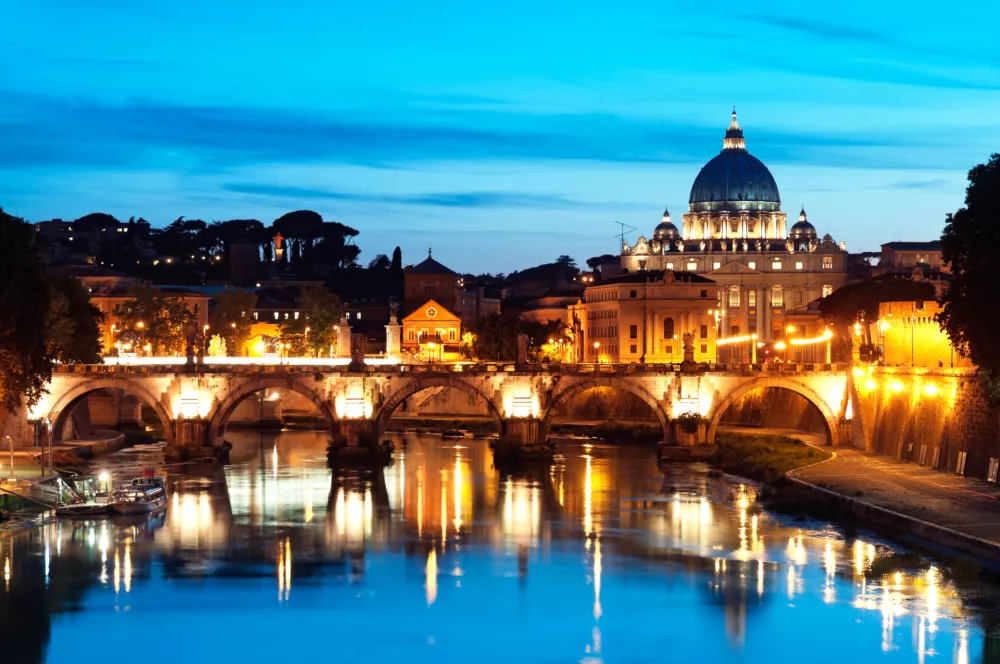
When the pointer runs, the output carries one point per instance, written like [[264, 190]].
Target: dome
[[802, 229], [734, 180], [665, 230]]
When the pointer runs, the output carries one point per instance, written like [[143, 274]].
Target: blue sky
[[501, 134]]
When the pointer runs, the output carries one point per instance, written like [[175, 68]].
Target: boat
[[83, 510], [143, 495], [83, 496]]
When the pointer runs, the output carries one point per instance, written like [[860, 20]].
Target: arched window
[[734, 297], [668, 328], [777, 297], [752, 297], [827, 290]]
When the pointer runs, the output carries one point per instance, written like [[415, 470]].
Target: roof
[[652, 276], [429, 266], [934, 245]]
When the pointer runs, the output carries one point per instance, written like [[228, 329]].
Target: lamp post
[[597, 352], [789, 331], [142, 331]]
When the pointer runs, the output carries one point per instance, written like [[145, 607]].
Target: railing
[[43, 493], [458, 367]]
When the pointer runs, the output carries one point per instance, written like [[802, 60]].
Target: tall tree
[[25, 365], [232, 318], [73, 329], [397, 260], [970, 244], [154, 318], [380, 262]]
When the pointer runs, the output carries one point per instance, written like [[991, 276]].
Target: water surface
[[602, 557]]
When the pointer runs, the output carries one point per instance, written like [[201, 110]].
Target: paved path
[[967, 505]]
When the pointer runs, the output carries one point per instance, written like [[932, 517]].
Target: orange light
[[930, 390]]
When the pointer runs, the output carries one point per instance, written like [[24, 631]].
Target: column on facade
[[760, 311], [765, 333]]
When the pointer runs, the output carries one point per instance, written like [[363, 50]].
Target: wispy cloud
[[917, 184], [470, 199]]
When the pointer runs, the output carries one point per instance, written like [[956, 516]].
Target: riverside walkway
[[942, 507]]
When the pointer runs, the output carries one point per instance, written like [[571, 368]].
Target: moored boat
[[143, 495]]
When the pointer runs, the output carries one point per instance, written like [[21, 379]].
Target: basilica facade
[[735, 234]]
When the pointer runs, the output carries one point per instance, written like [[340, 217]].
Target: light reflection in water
[[650, 540]]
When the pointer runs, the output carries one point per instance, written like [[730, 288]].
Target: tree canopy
[[495, 338], [970, 244], [151, 317], [73, 327], [315, 331], [25, 363], [232, 318]]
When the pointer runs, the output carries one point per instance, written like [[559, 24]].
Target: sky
[[499, 134]]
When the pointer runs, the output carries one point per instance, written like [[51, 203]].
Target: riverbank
[[765, 457]]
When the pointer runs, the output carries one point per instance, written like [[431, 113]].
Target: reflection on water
[[601, 555]]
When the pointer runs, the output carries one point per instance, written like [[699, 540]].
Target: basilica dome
[[734, 180], [665, 230]]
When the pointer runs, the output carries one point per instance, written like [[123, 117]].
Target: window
[[704, 331], [633, 293], [716, 265], [413, 335], [704, 348], [642, 265], [777, 297], [704, 293], [359, 315], [734, 297], [296, 315], [752, 265], [668, 328], [633, 349], [776, 265], [960, 466], [633, 331], [734, 330], [827, 290], [670, 266], [827, 262], [798, 297], [451, 334], [798, 265], [276, 316], [692, 266], [752, 298]]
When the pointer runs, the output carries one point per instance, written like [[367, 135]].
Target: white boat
[[143, 495]]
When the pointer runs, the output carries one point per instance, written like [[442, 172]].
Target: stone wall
[[926, 417]]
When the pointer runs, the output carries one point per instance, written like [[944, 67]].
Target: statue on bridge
[[689, 346], [522, 348]]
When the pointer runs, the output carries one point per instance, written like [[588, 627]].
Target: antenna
[[625, 228]]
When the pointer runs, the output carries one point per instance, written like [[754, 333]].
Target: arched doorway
[[414, 387], [224, 411], [776, 403], [558, 407], [62, 411]]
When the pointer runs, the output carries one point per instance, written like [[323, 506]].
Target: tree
[[595, 262], [154, 319], [970, 244], [380, 262], [73, 327], [568, 261], [495, 338], [232, 318], [25, 365], [322, 313], [396, 265]]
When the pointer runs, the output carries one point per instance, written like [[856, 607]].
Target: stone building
[[432, 333], [643, 316], [430, 280], [734, 233]]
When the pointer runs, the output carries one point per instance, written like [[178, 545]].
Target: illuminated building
[[643, 317], [734, 233], [432, 333], [909, 335]]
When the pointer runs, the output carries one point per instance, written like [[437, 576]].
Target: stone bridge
[[194, 402]]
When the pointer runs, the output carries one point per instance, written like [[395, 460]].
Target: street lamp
[[597, 352], [780, 345]]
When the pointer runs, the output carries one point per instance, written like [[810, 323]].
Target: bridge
[[195, 401]]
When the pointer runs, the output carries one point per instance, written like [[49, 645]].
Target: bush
[[689, 422]]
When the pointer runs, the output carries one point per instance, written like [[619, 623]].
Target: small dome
[[802, 229], [665, 230]]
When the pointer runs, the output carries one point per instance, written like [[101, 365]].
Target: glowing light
[[930, 390], [735, 340], [823, 338], [896, 386], [104, 476], [780, 345], [431, 573], [870, 384], [790, 329], [858, 373]]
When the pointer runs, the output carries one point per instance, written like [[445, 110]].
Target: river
[[602, 557]]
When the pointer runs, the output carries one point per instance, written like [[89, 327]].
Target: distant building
[[554, 305], [909, 335], [432, 333], [643, 317], [430, 280], [734, 234], [904, 256]]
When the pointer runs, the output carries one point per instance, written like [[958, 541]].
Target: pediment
[[424, 312], [734, 267]]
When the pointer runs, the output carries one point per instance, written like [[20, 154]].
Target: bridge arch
[[64, 406], [613, 382], [411, 387], [222, 412], [830, 418]]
